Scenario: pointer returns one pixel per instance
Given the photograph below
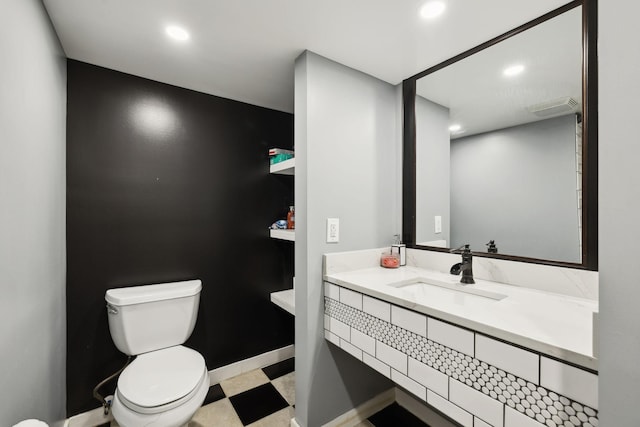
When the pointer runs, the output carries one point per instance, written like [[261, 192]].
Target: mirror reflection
[[498, 146]]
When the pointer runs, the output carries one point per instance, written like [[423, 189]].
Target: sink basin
[[428, 287]]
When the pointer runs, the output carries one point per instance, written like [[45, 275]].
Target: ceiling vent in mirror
[[554, 107]]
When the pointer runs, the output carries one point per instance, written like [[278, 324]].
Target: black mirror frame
[[589, 139]]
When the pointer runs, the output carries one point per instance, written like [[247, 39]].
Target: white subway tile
[[337, 327], [519, 362], [429, 377], [351, 298], [571, 382], [383, 368], [450, 336], [376, 308], [331, 291], [333, 338], [455, 412], [513, 418], [409, 320], [363, 341], [351, 349], [479, 404], [392, 357], [408, 384], [477, 422]]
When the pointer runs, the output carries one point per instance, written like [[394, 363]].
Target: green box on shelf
[[279, 158]]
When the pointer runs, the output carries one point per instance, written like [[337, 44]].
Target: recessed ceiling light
[[432, 9], [513, 70], [454, 128], [177, 33]]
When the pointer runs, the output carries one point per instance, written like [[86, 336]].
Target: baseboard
[[96, 417], [363, 411], [294, 423], [260, 361]]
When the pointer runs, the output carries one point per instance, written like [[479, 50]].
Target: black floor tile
[[279, 369], [257, 403], [215, 393], [105, 425], [395, 415]]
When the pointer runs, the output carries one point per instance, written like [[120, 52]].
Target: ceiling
[[245, 49]]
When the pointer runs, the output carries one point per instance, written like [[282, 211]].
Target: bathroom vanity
[[492, 353]]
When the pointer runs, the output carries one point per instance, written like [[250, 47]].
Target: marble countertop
[[557, 325]]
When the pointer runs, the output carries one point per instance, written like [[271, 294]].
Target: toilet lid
[[161, 377]]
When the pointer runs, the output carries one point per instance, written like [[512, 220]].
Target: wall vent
[[555, 107]]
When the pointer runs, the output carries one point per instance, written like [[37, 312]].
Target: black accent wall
[[166, 184]]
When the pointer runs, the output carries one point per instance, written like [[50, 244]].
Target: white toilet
[[31, 423], [167, 383]]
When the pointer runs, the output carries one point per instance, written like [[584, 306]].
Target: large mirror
[[499, 146]]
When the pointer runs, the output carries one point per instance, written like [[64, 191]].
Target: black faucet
[[465, 267]]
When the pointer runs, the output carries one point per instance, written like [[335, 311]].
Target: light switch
[[333, 230], [438, 224]]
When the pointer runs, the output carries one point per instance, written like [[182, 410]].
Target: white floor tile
[[281, 418], [286, 386], [244, 382], [220, 413]]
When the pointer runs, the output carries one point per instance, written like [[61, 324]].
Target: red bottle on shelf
[[291, 218]]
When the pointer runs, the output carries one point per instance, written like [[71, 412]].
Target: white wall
[[32, 215], [619, 200], [432, 171], [347, 154]]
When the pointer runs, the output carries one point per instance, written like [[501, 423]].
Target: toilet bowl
[[162, 388], [31, 423], [167, 382]]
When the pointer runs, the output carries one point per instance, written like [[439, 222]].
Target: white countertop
[[557, 325]]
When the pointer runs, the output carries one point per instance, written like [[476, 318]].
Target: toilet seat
[[161, 380]]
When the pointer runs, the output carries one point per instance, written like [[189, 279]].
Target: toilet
[[167, 382], [31, 423]]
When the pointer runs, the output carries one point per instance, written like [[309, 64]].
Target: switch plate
[[438, 224], [333, 230]]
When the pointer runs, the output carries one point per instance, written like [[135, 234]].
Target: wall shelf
[[285, 299], [283, 234], [287, 167]]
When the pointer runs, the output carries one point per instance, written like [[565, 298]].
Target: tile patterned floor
[[266, 398], [395, 415]]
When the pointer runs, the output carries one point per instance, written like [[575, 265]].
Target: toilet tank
[[152, 317]]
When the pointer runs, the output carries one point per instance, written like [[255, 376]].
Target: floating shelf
[[287, 167], [285, 299], [283, 234]]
